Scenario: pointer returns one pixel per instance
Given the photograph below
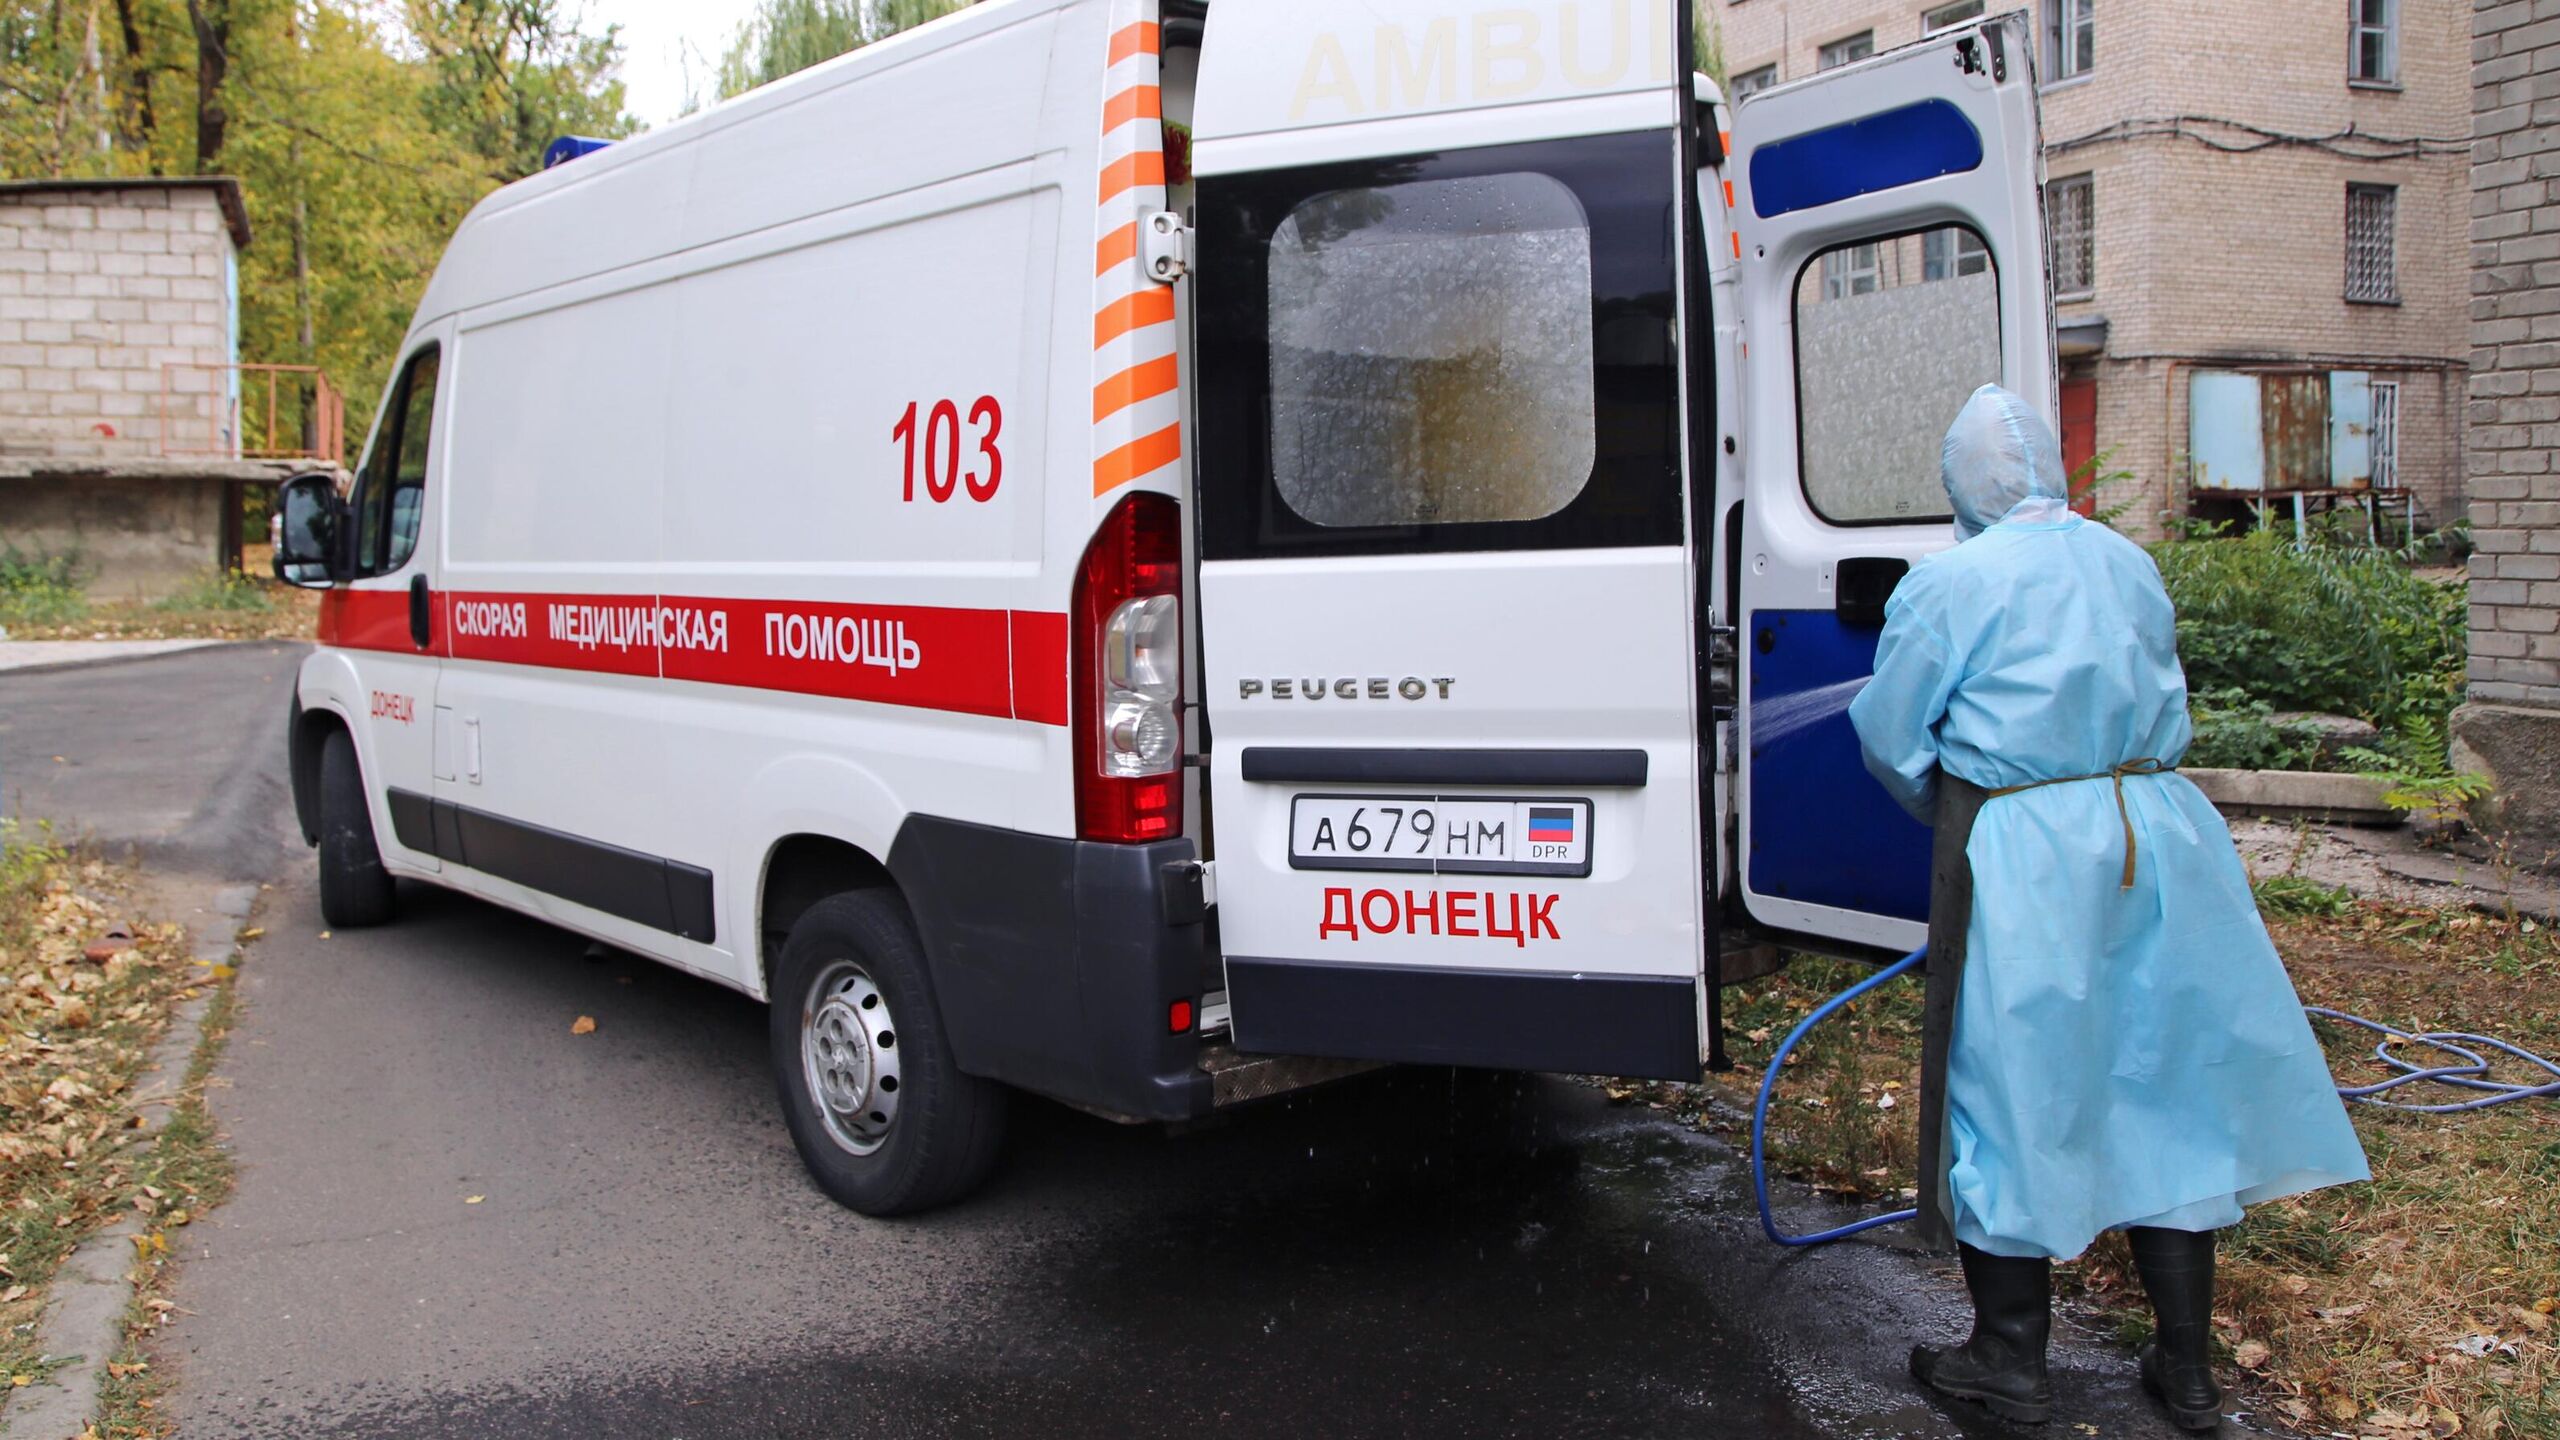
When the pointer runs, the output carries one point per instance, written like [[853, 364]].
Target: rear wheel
[[354, 888], [883, 1117]]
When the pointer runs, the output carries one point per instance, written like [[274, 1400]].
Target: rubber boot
[[2002, 1365], [2177, 1366]]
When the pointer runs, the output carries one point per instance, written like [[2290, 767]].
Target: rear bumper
[[1055, 962], [1439, 1015]]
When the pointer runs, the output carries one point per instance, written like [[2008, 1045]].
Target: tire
[[880, 1112], [355, 891]]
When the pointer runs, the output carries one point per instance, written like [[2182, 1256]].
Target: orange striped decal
[[1139, 457], [1117, 248], [1131, 171], [1138, 102], [1138, 382], [1728, 194], [1737, 244], [1142, 38], [1151, 306], [1727, 137]]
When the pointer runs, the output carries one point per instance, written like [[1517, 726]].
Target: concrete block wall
[[2205, 257], [99, 289]]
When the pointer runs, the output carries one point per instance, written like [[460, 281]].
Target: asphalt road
[[646, 1259]]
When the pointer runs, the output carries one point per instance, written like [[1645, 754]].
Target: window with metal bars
[[2386, 434], [2375, 56], [2371, 218], [2071, 220]]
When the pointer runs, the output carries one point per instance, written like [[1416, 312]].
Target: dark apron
[[1950, 915]]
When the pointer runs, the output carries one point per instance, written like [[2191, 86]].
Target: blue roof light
[[570, 147]]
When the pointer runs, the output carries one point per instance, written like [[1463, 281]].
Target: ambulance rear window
[[1431, 352]]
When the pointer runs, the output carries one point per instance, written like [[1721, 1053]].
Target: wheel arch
[[306, 731], [799, 870]]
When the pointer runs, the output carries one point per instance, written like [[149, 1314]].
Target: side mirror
[[309, 518]]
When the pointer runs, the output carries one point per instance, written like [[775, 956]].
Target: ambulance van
[[1156, 551]]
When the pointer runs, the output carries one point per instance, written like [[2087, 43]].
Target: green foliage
[[785, 37], [361, 133], [2292, 895], [223, 590], [2094, 477], [2414, 761], [2343, 629], [39, 589], [2236, 731]]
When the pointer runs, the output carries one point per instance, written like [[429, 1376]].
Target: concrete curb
[[84, 1319], [118, 657], [2298, 795]]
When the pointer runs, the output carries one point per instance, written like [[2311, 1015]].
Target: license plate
[[1438, 835]]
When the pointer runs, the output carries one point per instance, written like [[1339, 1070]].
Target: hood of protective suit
[[2000, 457]]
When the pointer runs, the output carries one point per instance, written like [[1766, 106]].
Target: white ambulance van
[[1152, 551]]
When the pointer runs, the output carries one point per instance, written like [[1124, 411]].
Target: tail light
[[1127, 705]]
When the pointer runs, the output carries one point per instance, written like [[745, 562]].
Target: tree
[[787, 36]]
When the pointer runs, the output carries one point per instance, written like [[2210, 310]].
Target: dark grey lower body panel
[[650, 890], [1055, 961], [1497, 1019]]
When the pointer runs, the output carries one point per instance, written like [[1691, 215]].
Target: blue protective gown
[[2120, 1057]]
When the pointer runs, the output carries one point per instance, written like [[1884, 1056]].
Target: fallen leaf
[[2536, 1319], [22, 1381], [179, 1217], [1756, 1037], [14, 1292], [2251, 1354], [2294, 1285], [121, 1371], [473, 1199], [222, 972], [324, 934], [583, 1025], [2336, 1313], [252, 933]]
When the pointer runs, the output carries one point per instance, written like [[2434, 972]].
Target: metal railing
[[251, 412]]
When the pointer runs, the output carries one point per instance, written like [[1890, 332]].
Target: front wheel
[[881, 1114], [354, 888]]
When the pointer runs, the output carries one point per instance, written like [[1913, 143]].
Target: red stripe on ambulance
[[1010, 664]]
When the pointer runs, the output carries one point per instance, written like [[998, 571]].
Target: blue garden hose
[[1769, 1082], [2472, 1073]]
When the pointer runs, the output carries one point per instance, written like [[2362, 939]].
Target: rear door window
[[1468, 350]]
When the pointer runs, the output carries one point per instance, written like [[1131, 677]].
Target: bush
[[2235, 731], [39, 589], [227, 590], [2344, 629]]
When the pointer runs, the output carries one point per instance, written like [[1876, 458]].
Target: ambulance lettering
[[402, 708], [1484, 914], [1501, 55], [843, 639], [492, 619]]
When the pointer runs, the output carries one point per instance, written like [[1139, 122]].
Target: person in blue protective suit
[[2110, 1040]]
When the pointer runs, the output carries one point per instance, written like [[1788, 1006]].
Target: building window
[[2386, 434], [1843, 52], [2371, 217], [1953, 251], [2070, 38], [2376, 58], [2071, 220], [1851, 270], [1947, 17], [1752, 82]]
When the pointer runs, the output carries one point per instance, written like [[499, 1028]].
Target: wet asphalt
[[1403, 1255]]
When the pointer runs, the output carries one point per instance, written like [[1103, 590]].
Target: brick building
[[2255, 213], [121, 407], [2511, 728]]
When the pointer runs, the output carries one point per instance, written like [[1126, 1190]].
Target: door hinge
[[1165, 247]]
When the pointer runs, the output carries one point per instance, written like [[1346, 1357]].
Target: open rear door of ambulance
[[1446, 597], [1893, 261]]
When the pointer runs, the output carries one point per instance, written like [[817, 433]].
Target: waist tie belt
[[2145, 766]]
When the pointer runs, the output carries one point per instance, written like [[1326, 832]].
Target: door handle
[[422, 631], [1861, 585]]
